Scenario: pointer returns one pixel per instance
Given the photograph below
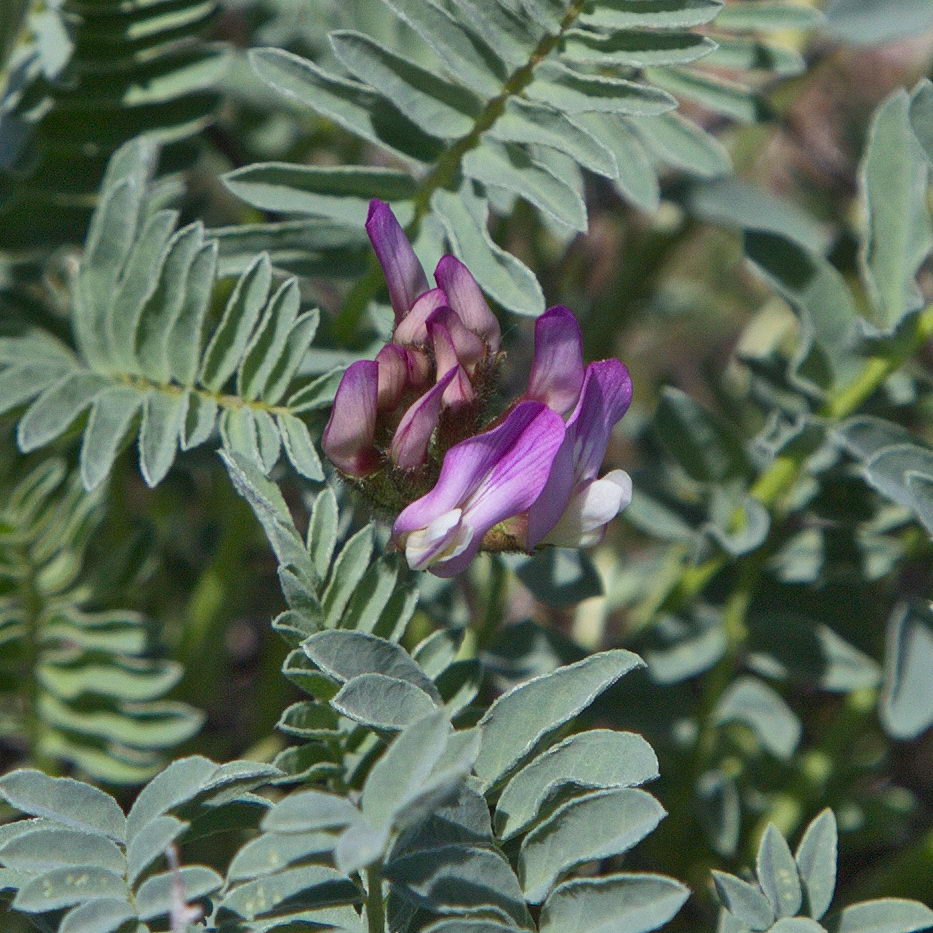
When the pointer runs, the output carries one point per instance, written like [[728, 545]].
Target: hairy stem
[[375, 910]]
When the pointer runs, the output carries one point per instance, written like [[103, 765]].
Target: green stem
[[142, 384], [494, 610], [445, 170], [375, 910], [780, 477]]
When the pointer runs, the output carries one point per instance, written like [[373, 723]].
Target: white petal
[[444, 538], [590, 509]]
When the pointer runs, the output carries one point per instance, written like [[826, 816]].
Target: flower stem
[[375, 911]]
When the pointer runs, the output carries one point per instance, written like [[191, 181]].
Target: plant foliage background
[[227, 704]]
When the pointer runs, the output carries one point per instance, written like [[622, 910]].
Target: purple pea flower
[[412, 299], [484, 480], [574, 506], [405, 278], [557, 368], [349, 435]]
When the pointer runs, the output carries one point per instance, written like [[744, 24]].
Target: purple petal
[[466, 298], [465, 467], [557, 369], [460, 390], [547, 509], [348, 437], [604, 399], [413, 435], [404, 276], [412, 328], [393, 376], [468, 347]]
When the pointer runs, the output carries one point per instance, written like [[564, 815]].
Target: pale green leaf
[[156, 895], [464, 53], [351, 105], [319, 393], [755, 55], [138, 282], [228, 344], [886, 915], [744, 901], [816, 863], [505, 278], [322, 530], [267, 343], [668, 14], [526, 715], [767, 16], [178, 783], [103, 916], [347, 654], [596, 758], [372, 596], [439, 108], [309, 886], [716, 94], [636, 180], [349, 567], [271, 852], [45, 849], [200, 420], [599, 825], [297, 343], [150, 843], [108, 427], [524, 121], [894, 179], [681, 143], [906, 707], [67, 801], [299, 447], [634, 48], [309, 811], [338, 192], [163, 416], [921, 116], [184, 339], [777, 873], [64, 887], [381, 702], [56, 408], [623, 903], [573, 92], [511, 167], [454, 877], [756, 705], [163, 307]]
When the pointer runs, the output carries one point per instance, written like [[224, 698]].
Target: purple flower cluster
[[529, 479]]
